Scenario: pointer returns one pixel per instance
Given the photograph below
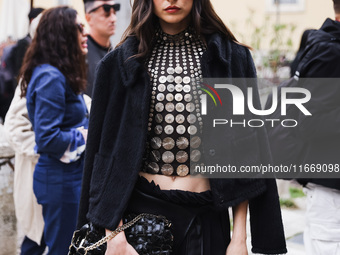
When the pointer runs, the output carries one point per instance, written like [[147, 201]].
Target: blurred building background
[[273, 28], [253, 22], [14, 21]]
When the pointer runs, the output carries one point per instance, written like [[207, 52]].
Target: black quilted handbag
[[148, 234]]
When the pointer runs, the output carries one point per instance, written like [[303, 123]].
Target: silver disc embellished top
[[174, 120]]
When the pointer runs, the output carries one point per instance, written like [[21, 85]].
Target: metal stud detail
[[170, 78], [153, 167], [190, 107], [162, 79], [182, 170], [169, 118], [178, 79], [159, 107], [181, 157], [195, 142], [170, 107], [168, 129], [195, 155], [180, 118], [188, 97], [156, 143], [160, 97], [170, 70], [179, 107], [180, 129], [174, 116], [186, 79], [170, 97], [178, 70], [155, 155], [192, 130], [179, 87], [161, 87], [171, 88], [159, 118], [182, 143], [168, 143], [178, 97], [168, 157], [158, 130], [186, 88], [167, 169], [191, 118]]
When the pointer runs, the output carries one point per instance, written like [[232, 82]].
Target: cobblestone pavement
[[7, 213]]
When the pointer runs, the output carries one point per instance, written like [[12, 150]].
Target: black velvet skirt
[[198, 227]]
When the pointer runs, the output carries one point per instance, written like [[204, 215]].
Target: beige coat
[[21, 138]]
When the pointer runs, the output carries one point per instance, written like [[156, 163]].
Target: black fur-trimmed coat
[[117, 139]]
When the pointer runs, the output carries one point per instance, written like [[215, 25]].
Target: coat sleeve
[[97, 116], [320, 75], [264, 208], [49, 112], [267, 233], [266, 156], [18, 127]]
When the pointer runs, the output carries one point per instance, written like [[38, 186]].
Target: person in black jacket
[[295, 63], [102, 19], [143, 122], [321, 137]]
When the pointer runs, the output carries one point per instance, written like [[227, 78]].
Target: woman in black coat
[[144, 137]]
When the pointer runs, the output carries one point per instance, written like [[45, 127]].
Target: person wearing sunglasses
[[101, 17]]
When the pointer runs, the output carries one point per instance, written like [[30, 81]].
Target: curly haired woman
[[53, 79]]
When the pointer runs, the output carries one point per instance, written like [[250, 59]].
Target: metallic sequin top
[[174, 120]]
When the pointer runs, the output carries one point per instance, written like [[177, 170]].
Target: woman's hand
[[119, 245], [237, 247]]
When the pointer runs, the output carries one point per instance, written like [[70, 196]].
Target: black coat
[[117, 140], [320, 131]]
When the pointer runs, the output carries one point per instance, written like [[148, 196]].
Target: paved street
[[293, 220]]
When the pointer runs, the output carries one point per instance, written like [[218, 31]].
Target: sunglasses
[[81, 27], [107, 8]]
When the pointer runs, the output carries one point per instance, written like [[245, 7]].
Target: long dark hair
[[56, 43], [144, 22]]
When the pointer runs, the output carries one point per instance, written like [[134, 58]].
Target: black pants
[[198, 228]]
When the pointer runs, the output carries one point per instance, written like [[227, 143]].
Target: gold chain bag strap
[[90, 240]]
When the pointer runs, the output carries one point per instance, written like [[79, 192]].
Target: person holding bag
[[144, 121]]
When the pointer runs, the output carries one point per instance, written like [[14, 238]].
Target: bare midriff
[[186, 183]]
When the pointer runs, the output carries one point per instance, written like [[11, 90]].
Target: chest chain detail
[[175, 122]]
